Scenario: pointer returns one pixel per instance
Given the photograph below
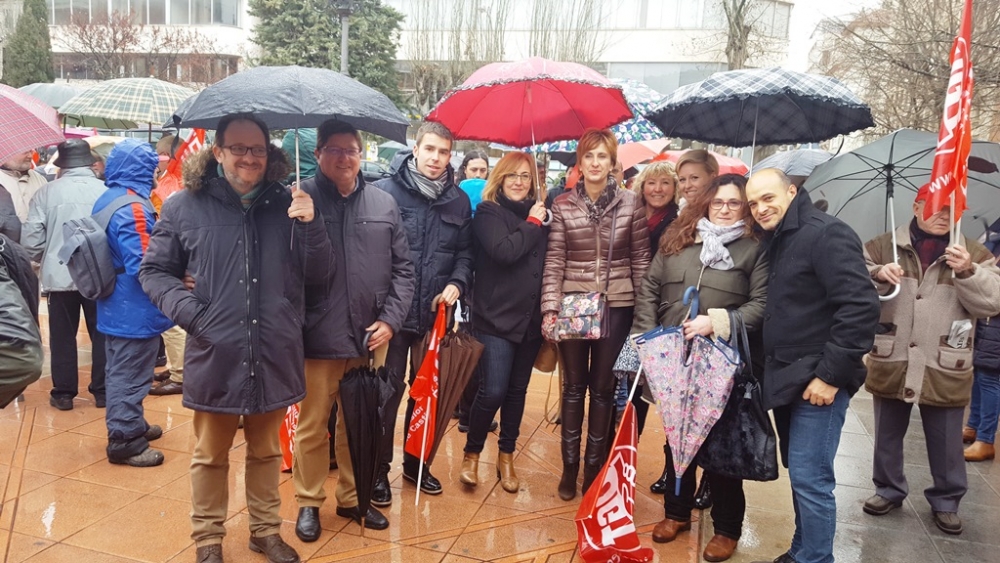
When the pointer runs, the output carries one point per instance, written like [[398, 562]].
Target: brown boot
[[506, 474], [470, 470], [720, 548], [968, 435], [211, 553], [666, 531], [979, 451]]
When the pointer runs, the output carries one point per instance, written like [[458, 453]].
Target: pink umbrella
[[727, 164], [630, 154], [532, 101], [28, 123]]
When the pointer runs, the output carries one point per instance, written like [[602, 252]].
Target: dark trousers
[[729, 504], [64, 322], [130, 374], [505, 370], [587, 366], [399, 350], [641, 409]]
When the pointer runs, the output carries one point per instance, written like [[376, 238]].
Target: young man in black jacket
[[437, 217], [369, 293], [820, 319]]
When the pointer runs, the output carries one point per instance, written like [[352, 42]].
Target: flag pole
[[423, 451]]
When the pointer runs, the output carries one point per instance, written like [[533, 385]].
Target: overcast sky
[[805, 15]]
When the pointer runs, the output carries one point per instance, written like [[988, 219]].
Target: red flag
[[950, 174], [604, 524], [424, 392], [171, 181]]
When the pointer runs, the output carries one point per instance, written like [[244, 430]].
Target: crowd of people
[[266, 294]]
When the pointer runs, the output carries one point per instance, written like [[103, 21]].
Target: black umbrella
[[364, 392], [293, 97], [770, 106]]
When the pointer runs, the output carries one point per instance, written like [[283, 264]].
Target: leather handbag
[[582, 316], [742, 444]]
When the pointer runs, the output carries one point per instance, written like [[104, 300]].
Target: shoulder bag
[[583, 316]]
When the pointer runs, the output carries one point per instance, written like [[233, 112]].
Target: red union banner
[[604, 524], [951, 159], [424, 392]]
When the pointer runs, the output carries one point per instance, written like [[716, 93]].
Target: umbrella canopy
[[364, 394], [858, 185], [727, 164], [631, 154], [138, 100], [532, 101], [28, 123], [52, 94], [769, 106], [800, 162], [293, 97], [103, 123]]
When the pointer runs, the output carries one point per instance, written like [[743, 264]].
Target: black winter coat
[[440, 236], [822, 307], [244, 352], [510, 257], [376, 266]]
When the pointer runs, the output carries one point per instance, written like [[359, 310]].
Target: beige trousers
[[173, 343], [311, 464], [210, 473]]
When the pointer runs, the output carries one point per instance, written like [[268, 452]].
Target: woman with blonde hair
[[599, 244], [511, 240], [656, 187], [696, 169]]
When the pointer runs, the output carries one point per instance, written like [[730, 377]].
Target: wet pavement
[[62, 500]]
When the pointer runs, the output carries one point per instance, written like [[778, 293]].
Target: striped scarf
[[431, 189]]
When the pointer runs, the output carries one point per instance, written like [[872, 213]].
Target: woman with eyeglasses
[[510, 234], [587, 221], [712, 246]]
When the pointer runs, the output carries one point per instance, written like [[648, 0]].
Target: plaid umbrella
[[28, 123], [139, 100], [768, 106]]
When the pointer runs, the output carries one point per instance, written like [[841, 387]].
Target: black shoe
[[161, 376], [61, 403], [153, 433], [100, 401], [148, 458], [167, 388], [429, 484], [161, 361], [567, 484], [703, 497], [374, 520], [381, 493], [661, 486], [307, 526]]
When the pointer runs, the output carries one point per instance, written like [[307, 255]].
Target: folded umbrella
[[28, 123]]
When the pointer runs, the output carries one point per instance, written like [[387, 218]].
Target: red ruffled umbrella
[[533, 101]]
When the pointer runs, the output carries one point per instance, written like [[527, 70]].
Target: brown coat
[[911, 360], [577, 251]]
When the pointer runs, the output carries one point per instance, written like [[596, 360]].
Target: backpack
[[87, 254]]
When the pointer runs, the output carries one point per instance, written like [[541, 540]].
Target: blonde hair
[[655, 170], [702, 157], [508, 165]]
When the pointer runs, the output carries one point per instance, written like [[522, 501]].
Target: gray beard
[[241, 187]]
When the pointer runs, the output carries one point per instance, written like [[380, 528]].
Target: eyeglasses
[[525, 178], [240, 150], [339, 152], [733, 204]]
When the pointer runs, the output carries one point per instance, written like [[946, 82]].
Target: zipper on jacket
[[246, 283]]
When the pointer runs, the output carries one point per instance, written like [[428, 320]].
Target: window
[[62, 12], [690, 15], [625, 15], [99, 10], [120, 6], [157, 12], [226, 12], [201, 12], [139, 13], [81, 10], [179, 12]]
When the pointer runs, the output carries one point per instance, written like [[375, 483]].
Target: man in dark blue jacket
[[129, 320], [437, 217], [819, 323]]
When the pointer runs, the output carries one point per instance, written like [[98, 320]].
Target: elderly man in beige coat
[[923, 355]]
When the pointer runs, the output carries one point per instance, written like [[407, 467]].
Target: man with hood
[[437, 218], [351, 316], [250, 247], [129, 321]]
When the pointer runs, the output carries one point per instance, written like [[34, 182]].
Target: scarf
[[714, 238], [596, 208], [519, 208], [929, 247], [668, 210], [431, 189]]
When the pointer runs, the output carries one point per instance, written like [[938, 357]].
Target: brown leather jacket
[[575, 261]]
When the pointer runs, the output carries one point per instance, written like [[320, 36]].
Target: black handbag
[[742, 444]]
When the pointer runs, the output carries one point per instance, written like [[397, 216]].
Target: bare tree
[[751, 29], [897, 58], [568, 30]]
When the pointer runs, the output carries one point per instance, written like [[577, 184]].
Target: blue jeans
[[129, 374], [813, 437], [505, 370], [985, 406]]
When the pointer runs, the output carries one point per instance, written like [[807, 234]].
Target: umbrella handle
[[364, 346], [691, 298], [895, 250]]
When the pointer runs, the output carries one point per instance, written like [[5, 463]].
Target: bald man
[[822, 309]]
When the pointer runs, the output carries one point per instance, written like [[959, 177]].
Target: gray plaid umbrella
[[769, 106], [138, 100], [293, 97]]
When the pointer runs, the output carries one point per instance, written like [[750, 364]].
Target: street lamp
[[344, 9]]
